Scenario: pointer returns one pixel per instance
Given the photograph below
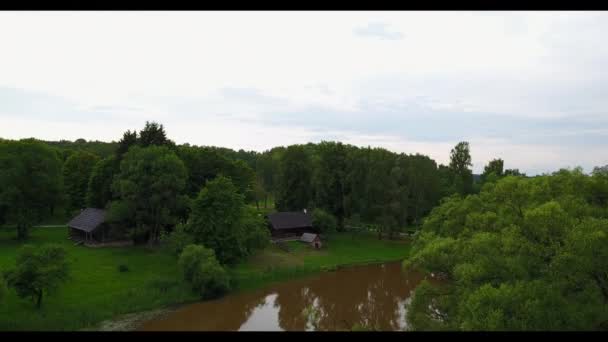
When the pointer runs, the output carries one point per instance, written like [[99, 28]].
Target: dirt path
[[130, 322]]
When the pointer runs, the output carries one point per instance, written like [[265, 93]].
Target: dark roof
[[288, 220], [88, 220], [308, 237]]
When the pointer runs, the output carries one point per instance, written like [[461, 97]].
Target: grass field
[[340, 249], [97, 291]]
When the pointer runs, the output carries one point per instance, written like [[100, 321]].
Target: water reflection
[[374, 296]]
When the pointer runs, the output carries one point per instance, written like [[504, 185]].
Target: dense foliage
[[99, 188], [323, 221], [30, 183], [149, 189], [202, 270], [220, 220], [39, 270], [175, 241], [76, 173], [295, 172], [523, 254]]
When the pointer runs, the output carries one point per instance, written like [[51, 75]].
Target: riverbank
[[98, 292]]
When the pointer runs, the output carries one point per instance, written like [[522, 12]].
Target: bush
[[123, 268], [176, 241], [202, 270], [323, 221]]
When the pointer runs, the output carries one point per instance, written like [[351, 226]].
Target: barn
[[88, 226], [290, 224]]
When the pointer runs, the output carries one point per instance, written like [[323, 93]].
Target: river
[[372, 295]]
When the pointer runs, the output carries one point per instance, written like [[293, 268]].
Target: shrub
[[202, 270], [323, 221], [123, 268], [176, 241]]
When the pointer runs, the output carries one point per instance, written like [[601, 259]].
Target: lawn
[[97, 291]]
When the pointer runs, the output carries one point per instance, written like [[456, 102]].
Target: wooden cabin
[[88, 226], [290, 224]]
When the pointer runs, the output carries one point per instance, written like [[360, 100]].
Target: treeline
[[366, 185], [523, 254], [139, 180]]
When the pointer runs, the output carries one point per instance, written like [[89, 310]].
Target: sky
[[528, 87]]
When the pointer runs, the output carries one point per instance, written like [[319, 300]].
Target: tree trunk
[[265, 201], [257, 203]]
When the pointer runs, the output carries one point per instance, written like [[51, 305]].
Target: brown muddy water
[[372, 295]]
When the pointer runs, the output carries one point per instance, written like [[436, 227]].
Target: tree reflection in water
[[372, 296]]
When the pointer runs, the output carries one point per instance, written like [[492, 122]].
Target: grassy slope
[[273, 264], [98, 291]]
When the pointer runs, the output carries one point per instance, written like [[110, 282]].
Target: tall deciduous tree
[[523, 254], [150, 189], [460, 161], [493, 170], [30, 182], [76, 173], [295, 180], [330, 179], [99, 191], [39, 270], [221, 221]]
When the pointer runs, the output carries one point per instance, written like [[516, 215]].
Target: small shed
[[313, 239], [88, 226]]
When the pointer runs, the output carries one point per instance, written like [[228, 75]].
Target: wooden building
[[88, 226], [290, 224], [313, 239]]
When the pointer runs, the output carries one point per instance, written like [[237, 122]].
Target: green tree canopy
[[221, 221], [294, 191], [128, 140], [39, 270], [523, 254], [202, 270], [99, 190], [460, 161], [324, 221], [150, 189], [76, 173], [153, 133], [30, 182]]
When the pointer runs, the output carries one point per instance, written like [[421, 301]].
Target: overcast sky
[[528, 87]]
